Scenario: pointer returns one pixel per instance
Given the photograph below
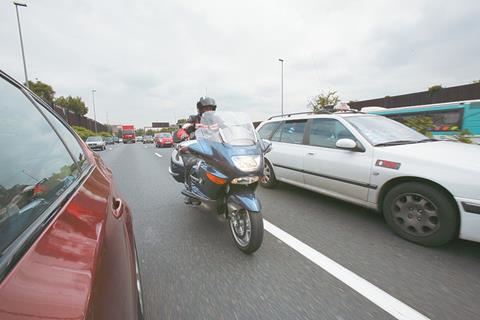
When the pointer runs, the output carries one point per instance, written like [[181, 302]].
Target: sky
[[151, 60]]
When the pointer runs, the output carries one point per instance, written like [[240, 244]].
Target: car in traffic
[[427, 190], [147, 139], [109, 140], [116, 140], [138, 138], [96, 143], [67, 242], [163, 139]]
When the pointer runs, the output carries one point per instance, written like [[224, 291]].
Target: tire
[[255, 240], [268, 180], [421, 213]]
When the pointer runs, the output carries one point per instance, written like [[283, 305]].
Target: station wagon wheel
[[421, 213], [268, 180]]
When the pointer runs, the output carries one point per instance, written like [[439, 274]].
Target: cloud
[[152, 60]]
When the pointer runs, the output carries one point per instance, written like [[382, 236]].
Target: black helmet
[[204, 103]]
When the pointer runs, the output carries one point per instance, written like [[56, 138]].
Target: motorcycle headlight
[[247, 163], [245, 180]]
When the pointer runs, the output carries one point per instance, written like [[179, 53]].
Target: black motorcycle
[[221, 170]]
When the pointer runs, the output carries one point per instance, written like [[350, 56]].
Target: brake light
[[215, 179]]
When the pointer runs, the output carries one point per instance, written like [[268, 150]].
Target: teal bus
[[448, 118]]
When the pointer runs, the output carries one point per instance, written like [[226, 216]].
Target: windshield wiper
[[394, 143], [427, 140]]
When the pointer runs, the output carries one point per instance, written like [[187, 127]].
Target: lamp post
[[94, 113], [281, 60], [21, 39]]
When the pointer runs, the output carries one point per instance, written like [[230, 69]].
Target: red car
[[163, 139], [66, 238]]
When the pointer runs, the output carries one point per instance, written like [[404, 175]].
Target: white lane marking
[[110, 148], [395, 307], [158, 155]]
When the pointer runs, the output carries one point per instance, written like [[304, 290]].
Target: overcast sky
[[152, 60]]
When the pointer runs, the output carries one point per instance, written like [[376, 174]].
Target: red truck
[[128, 133]]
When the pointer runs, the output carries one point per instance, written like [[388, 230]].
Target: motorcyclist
[[187, 131], [203, 105]]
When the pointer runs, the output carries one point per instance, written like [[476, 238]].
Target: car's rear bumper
[[469, 219]]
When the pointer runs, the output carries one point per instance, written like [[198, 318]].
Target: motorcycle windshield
[[233, 128]]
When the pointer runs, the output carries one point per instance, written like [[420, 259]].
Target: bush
[[420, 124], [464, 136], [83, 132]]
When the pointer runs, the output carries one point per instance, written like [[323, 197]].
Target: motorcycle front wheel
[[246, 229]]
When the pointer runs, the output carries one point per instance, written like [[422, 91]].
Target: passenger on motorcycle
[[188, 129]]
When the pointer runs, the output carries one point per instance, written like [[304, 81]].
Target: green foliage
[[42, 90], [72, 103], [435, 88], [150, 132], [181, 121], [139, 132], [322, 100], [464, 136], [476, 81], [420, 124], [82, 132], [168, 129]]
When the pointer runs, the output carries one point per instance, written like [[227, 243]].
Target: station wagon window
[[36, 168], [290, 132], [326, 132], [265, 132]]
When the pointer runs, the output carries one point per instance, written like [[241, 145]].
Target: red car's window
[[68, 138], [36, 168]]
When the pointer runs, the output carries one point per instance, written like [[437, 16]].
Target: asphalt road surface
[[191, 268]]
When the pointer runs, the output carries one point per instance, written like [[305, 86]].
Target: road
[[191, 268]]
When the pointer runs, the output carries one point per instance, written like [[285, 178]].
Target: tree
[[181, 121], [42, 90], [322, 100], [72, 103], [139, 132], [150, 132]]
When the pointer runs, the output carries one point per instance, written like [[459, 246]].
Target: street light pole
[[94, 113], [281, 60], [21, 39]]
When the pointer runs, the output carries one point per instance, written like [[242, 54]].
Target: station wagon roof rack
[[325, 110], [288, 115]]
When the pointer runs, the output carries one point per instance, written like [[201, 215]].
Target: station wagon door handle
[[310, 154]]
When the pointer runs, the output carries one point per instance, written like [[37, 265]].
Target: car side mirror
[[265, 145], [347, 144]]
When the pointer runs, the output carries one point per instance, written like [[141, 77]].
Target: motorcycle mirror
[[265, 145]]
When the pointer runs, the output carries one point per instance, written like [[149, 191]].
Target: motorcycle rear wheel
[[247, 230]]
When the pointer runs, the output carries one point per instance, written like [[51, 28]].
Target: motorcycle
[[221, 170]]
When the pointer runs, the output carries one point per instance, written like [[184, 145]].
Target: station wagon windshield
[[383, 131]]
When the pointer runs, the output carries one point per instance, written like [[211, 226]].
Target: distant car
[[96, 143], [427, 190], [67, 243], [163, 139], [109, 140], [147, 139], [120, 140], [116, 140], [138, 138]]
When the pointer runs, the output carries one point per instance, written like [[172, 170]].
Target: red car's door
[[68, 250]]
